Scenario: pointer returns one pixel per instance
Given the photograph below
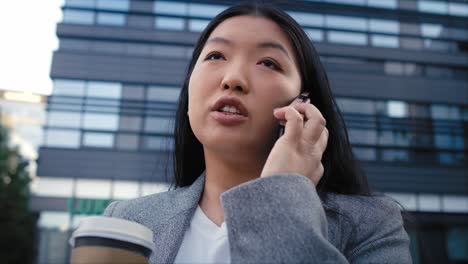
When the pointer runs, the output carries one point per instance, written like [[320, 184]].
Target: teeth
[[230, 109]]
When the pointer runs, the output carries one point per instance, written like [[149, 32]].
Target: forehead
[[251, 29]]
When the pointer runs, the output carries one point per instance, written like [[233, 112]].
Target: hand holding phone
[[299, 150], [303, 97]]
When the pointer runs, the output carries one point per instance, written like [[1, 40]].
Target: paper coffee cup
[[100, 239]]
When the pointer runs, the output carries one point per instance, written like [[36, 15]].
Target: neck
[[221, 175]]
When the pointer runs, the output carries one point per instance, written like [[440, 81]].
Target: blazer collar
[[174, 220]]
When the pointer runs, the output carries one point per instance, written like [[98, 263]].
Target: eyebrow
[[262, 45]]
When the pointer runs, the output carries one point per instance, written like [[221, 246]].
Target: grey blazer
[[278, 219]]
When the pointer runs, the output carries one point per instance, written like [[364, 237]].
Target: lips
[[231, 101]]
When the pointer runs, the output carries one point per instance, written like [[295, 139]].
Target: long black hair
[[342, 172]]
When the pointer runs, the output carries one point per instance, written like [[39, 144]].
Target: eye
[[270, 64], [214, 56]]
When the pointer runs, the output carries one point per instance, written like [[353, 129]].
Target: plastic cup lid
[[114, 228]]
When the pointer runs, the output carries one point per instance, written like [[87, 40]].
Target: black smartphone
[[303, 97]]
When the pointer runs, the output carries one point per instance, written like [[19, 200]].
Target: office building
[[398, 68]]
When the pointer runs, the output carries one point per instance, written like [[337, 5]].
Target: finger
[[322, 142], [314, 122], [294, 122]]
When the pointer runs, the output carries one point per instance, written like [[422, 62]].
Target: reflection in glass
[[100, 140], [169, 23], [78, 17]]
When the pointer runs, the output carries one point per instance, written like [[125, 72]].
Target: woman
[[246, 196]]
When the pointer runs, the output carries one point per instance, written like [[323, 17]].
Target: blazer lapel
[[173, 221]]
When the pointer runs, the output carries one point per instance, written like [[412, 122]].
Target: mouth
[[230, 105]]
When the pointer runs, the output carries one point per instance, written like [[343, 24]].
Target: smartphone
[[303, 97]]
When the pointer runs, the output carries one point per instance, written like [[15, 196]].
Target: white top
[[204, 242]]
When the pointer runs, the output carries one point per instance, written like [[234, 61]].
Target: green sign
[[80, 206]]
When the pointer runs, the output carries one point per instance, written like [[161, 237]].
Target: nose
[[234, 79]]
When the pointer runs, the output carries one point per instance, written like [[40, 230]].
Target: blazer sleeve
[[280, 219]]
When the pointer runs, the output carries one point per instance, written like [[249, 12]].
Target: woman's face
[[249, 62]]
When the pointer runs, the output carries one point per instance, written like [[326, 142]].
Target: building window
[[52, 187], [169, 23], [384, 41], [64, 119], [127, 141], [384, 26], [162, 93], [125, 190], [362, 136], [458, 9], [104, 90], [392, 155], [78, 17], [168, 51], [158, 124], [158, 143], [431, 30], [69, 87], [390, 4], [170, 8], [356, 106], [397, 109], [101, 121], [110, 19], [204, 10], [457, 244], [120, 5], [91, 188], [365, 154], [307, 19], [347, 38], [345, 22], [315, 34], [447, 112], [100, 140], [62, 138], [80, 3], [197, 25], [436, 7]]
